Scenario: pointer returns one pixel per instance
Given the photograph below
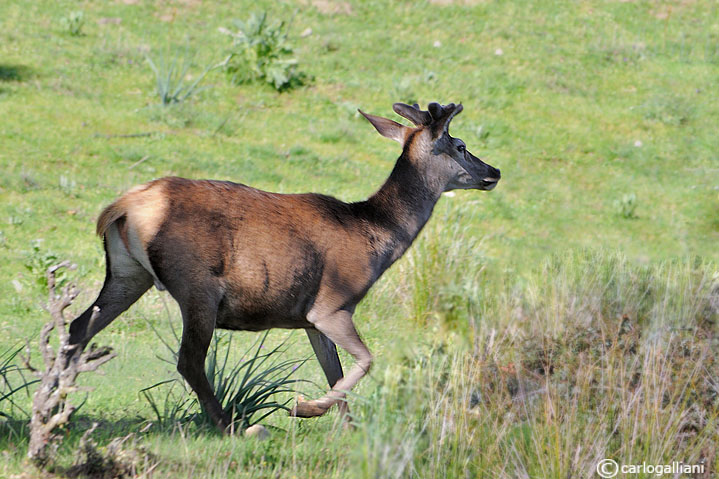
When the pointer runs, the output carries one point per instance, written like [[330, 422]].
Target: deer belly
[[263, 294], [248, 312]]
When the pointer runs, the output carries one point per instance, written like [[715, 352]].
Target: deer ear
[[387, 128]]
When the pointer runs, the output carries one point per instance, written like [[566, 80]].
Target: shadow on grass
[[14, 433], [112, 448], [14, 73]]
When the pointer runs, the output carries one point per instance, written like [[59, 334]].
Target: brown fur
[[256, 247]]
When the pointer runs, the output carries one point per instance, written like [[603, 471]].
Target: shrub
[[261, 52], [73, 23], [626, 206]]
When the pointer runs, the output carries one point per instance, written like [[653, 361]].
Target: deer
[[239, 258]]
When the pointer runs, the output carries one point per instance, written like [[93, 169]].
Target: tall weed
[[592, 356], [261, 51]]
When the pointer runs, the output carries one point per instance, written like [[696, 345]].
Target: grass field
[[569, 315]]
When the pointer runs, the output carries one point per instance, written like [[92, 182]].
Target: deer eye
[[461, 148]]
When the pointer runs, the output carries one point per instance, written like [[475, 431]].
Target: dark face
[[469, 171]]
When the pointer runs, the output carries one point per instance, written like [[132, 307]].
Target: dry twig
[[50, 408]]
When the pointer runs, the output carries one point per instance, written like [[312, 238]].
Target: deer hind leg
[[198, 325], [125, 281], [338, 328], [326, 353]]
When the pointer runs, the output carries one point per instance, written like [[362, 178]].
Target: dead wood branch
[[50, 407]]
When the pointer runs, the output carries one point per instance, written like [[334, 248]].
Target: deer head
[[441, 159]]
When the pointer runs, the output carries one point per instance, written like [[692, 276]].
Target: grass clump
[[591, 357], [248, 389], [261, 52], [73, 22], [12, 381], [440, 277], [172, 83], [626, 206]]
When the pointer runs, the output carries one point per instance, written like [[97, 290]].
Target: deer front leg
[[339, 328]]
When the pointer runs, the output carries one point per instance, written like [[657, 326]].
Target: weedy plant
[[261, 52], [403, 90], [247, 389], [626, 206], [591, 356], [37, 262], [67, 185], [440, 278], [172, 83], [671, 110], [73, 23]]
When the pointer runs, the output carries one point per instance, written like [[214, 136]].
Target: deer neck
[[401, 208]]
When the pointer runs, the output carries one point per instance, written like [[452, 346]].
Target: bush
[[261, 52], [627, 206], [73, 23]]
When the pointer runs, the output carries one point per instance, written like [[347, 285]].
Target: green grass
[[526, 286]]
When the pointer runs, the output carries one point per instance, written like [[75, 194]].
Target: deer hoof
[[347, 423], [307, 409]]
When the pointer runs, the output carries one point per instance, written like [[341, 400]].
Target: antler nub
[[435, 114], [413, 113]]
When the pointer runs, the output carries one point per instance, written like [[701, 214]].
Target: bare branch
[[50, 408], [26, 360], [95, 358], [48, 355]]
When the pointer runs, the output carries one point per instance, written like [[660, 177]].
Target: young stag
[[238, 258]]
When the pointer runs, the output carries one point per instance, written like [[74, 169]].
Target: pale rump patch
[[146, 208], [133, 221]]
